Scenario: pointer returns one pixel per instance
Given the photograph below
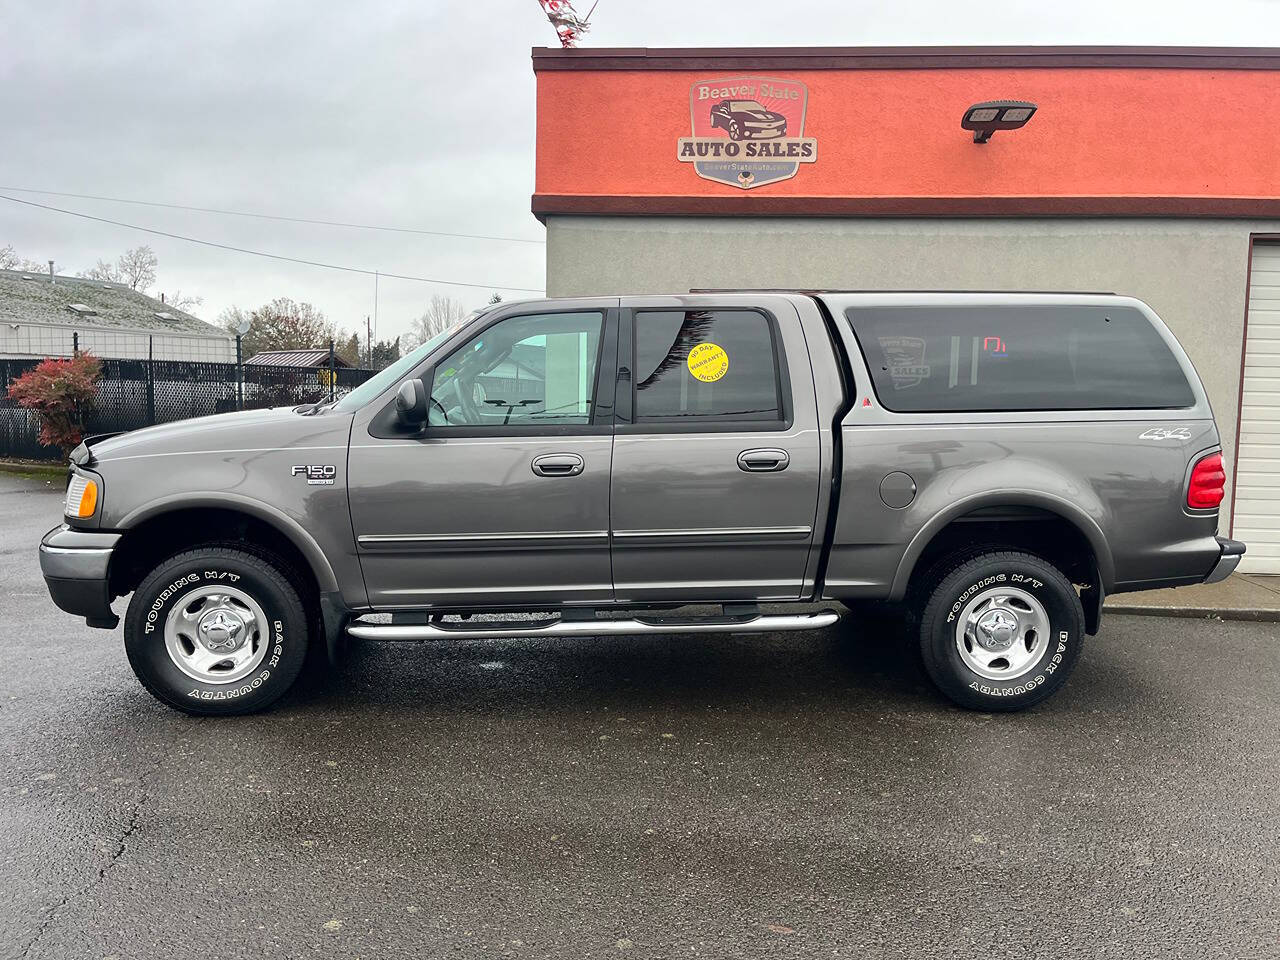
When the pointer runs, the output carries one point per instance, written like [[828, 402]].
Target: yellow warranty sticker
[[708, 362]]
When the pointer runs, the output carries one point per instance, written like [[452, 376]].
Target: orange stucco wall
[[896, 133]]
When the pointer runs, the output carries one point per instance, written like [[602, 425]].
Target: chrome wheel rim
[[1001, 633], [216, 634]]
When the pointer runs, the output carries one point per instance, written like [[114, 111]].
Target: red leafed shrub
[[61, 393]]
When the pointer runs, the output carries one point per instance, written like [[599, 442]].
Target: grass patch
[[34, 469]]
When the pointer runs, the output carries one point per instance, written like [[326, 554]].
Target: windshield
[[745, 105], [379, 382]]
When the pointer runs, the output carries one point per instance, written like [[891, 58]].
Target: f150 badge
[[317, 474]]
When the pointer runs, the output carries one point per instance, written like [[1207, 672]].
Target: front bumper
[[1228, 560], [75, 564]]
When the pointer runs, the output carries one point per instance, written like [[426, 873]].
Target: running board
[[494, 630]]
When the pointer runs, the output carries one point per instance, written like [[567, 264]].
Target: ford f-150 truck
[[995, 462]]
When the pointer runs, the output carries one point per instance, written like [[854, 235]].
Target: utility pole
[[151, 380], [333, 371], [368, 340]]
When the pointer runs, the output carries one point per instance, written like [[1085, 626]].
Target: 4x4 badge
[[1166, 433]]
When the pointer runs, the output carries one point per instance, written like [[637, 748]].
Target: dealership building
[[1152, 172]]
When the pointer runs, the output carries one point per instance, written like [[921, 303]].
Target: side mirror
[[411, 403]]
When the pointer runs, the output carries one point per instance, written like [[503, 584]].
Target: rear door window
[[1002, 358], [701, 366]]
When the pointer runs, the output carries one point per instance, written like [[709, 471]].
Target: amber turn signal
[[82, 497]]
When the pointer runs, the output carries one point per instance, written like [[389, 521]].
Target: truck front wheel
[[1001, 631], [216, 630]]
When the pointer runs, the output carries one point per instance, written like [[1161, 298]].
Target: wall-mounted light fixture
[[986, 118]]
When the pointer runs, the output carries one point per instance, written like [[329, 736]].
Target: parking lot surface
[[798, 795]]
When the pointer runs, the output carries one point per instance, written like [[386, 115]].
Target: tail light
[[1205, 491]]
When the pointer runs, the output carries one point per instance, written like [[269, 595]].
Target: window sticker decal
[[904, 357], [708, 362]]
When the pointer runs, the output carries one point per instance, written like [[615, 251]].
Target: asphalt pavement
[[801, 795]]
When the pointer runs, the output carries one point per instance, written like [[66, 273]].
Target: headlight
[[82, 497]]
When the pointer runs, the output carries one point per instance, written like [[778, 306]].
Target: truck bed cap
[[813, 291]]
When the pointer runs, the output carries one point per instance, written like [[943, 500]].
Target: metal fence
[[139, 393]]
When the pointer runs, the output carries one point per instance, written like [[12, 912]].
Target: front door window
[[522, 371]]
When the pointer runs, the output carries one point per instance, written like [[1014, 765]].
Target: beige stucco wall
[[1191, 271]]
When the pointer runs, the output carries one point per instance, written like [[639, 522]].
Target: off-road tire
[[257, 573], [966, 577]]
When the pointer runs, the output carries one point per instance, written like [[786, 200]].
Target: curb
[[1252, 614]]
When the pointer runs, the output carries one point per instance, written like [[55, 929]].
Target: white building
[[42, 315]]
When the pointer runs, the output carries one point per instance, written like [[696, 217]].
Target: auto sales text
[[799, 149]]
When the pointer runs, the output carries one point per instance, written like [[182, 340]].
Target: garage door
[[1257, 505]]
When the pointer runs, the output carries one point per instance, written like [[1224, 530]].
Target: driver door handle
[[763, 460], [558, 465]]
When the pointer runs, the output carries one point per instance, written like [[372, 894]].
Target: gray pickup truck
[[995, 462]]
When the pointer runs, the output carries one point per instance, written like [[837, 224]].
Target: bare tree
[[102, 271], [138, 267], [441, 314], [9, 260], [231, 318], [181, 301]]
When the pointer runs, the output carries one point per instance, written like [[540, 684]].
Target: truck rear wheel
[[1001, 631], [216, 630]]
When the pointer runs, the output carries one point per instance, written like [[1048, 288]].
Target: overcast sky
[[411, 114]]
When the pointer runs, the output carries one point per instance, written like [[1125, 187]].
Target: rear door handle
[[558, 465], [763, 460]]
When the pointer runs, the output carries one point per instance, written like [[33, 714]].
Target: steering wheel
[[466, 402]]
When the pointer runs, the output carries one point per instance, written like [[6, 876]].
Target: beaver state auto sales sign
[[747, 131]]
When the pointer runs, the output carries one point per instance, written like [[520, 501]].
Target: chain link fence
[[134, 393]]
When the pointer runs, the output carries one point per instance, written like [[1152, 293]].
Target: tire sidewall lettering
[[1059, 655], [277, 644], [1024, 581], [232, 692], [1049, 665], [970, 590], [180, 587], [176, 587], [281, 634]]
